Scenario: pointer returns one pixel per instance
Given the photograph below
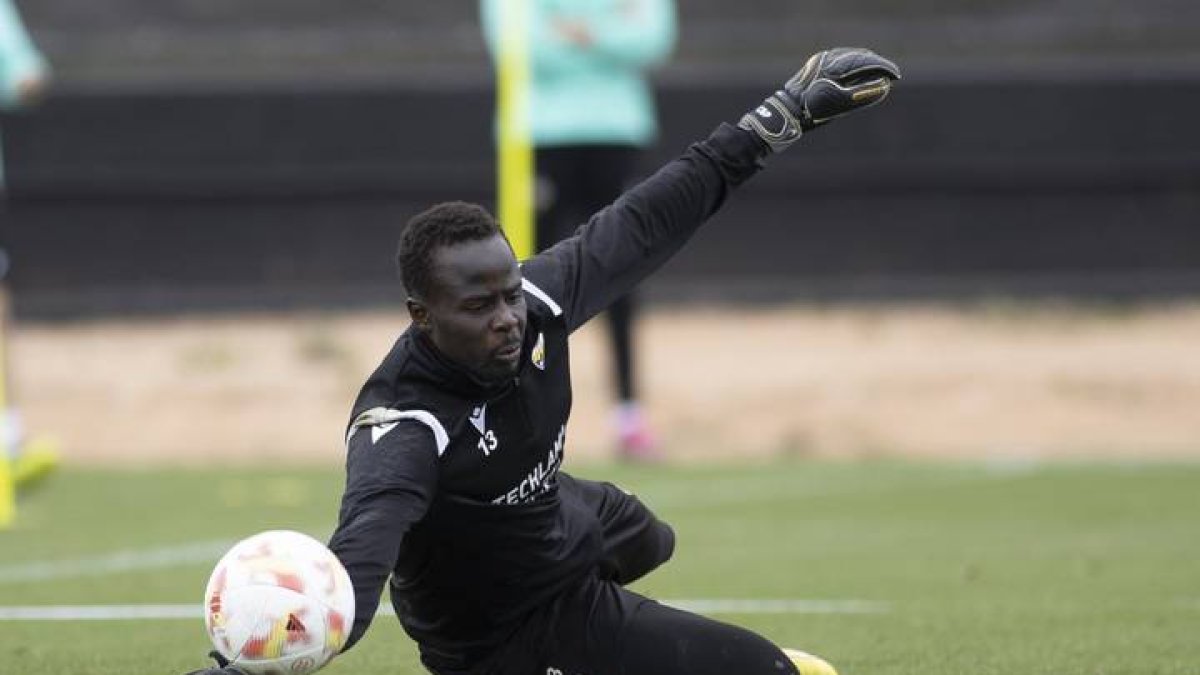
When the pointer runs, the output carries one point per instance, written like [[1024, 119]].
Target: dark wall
[[150, 201], [173, 42]]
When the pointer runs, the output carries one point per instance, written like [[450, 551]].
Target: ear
[[418, 312]]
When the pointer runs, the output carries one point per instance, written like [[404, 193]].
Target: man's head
[[464, 287]]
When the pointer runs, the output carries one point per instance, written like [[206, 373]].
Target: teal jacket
[[596, 93], [18, 60], [18, 57]]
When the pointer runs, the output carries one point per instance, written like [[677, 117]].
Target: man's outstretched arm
[[391, 472], [627, 241]]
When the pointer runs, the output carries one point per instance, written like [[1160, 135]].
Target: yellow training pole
[[8, 489], [514, 185]]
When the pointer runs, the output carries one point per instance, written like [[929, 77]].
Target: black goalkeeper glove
[[223, 667], [832, 83]]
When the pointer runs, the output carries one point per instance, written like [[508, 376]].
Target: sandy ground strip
[[990, 381]]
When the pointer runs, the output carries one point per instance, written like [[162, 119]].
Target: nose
[[505, 319]]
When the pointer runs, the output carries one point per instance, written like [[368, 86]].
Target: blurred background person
[[23, 71], [592, 112], [24, 75]]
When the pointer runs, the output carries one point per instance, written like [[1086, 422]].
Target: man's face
[[475, 314]]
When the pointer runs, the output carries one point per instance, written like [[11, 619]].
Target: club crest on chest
[[538, 355]]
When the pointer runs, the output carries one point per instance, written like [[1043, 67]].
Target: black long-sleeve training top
[[451, 485]]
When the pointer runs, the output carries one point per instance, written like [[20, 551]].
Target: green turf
[[1064, 570]]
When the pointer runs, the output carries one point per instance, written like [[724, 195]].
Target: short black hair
[[441, 225]]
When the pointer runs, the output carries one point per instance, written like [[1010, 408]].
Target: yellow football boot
[[807, 664]]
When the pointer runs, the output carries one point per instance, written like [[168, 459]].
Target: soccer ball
[[279, 603]]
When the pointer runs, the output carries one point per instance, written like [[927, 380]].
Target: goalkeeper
[[499, 563]]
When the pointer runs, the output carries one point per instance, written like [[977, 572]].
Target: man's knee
[[661, 544], [636, 556]]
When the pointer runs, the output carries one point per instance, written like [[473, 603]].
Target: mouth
[[510, 352]]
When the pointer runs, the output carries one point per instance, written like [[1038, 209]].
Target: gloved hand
[[831, 84], [223, 667]]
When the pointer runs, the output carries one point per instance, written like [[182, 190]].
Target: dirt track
[[987, 382]]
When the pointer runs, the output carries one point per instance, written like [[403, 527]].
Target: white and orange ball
[[279, 603]]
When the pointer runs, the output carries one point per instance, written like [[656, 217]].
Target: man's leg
[[635, 540], [606, 629], [560, 173], [663, 640]]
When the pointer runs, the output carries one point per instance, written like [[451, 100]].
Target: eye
[[513, 297], [475, 304]]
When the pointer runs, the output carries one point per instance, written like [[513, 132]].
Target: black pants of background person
[[574, 182]]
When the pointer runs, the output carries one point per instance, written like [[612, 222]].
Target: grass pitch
[[972, 569]]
